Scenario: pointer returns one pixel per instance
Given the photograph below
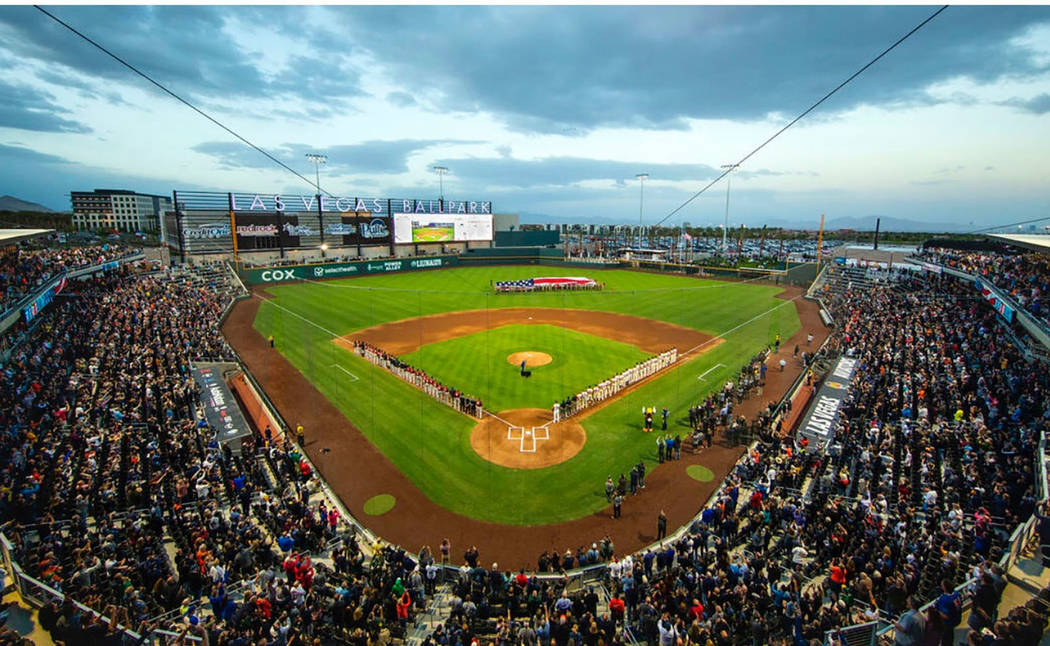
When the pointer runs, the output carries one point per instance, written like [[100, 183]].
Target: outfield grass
[[477, 364], [430, 443]]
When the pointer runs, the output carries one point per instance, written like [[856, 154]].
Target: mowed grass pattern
[[429, 442], [477, 364]]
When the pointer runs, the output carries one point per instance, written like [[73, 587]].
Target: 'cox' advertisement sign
[[277, 275]]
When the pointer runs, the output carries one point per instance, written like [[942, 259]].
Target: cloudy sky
[[543, 110]]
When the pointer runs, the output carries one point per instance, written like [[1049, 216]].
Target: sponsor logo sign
[[820, 421], [277, 275], [220, 408]]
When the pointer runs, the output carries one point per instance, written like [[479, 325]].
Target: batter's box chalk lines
[[709, 370], [350, 374]]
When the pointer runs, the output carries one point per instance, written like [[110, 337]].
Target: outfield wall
[[801, 274], [267, 275]]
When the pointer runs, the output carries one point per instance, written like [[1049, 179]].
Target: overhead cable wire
[[181, 100], [827, 96], [1004, 226]]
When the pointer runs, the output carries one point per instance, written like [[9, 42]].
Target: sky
[[544, 110]]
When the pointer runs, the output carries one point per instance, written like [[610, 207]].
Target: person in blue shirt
[[949, 606], [285, 542]]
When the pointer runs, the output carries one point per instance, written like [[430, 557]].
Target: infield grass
[[429, 442], [477, 364]]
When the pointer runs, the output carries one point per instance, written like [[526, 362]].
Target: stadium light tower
[[725, 228], [641, 199], [441, 170], [317, 160]]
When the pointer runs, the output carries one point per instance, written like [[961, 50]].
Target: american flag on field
[[533, 283]]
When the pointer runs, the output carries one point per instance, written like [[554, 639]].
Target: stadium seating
[[118, 497]]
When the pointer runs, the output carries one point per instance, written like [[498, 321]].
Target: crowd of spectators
[[117, 496], [932, 466], [1024, 276], [25, 268]]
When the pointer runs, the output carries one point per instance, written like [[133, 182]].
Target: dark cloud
[[22, 154], [556, 70], [370, 157], [84, 88], [47, 179], [401, 99], [184, 47], [1036, 105], [25, 108], [568, 69], [562, 171]]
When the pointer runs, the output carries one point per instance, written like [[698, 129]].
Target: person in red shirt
[[756, 500], [403, 604], [838, 576], [262, 606], [616, 608], [697, 610]]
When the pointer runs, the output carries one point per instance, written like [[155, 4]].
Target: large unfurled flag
[[530, 284], [564, 281], [686, 236]]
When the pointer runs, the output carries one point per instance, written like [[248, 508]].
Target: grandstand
[[124, 504]]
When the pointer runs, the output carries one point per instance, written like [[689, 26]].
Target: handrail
[[9, 316]]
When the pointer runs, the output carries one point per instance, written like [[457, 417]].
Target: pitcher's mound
[[531, 359], [526, 443]]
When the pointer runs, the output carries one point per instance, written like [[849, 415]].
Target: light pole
[[441, 170], [318, 160], [641, 199], [725, 228]]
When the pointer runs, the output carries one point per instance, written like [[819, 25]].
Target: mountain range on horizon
[[12, 203]]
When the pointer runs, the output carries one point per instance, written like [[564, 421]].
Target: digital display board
[[412, 228]]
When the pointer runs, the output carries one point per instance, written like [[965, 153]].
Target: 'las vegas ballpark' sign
[[372, 205]]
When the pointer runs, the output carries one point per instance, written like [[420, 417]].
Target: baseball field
[[451, 324], [433, 233]]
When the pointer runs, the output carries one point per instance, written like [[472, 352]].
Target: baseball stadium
[[306, 415]]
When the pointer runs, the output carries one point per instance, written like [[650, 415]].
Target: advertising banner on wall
[[343, 269], [220, 407], [995, 299], [820, 421], [261, 231], [363, 230]]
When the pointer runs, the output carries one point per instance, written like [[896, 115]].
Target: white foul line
[[298, 316], [352, 375], [714, 367]]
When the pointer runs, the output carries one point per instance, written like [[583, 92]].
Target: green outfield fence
[[798, 274]]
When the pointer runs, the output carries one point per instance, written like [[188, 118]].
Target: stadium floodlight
[[730, 168], [441, 170], [641, 198], [317, 160]]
